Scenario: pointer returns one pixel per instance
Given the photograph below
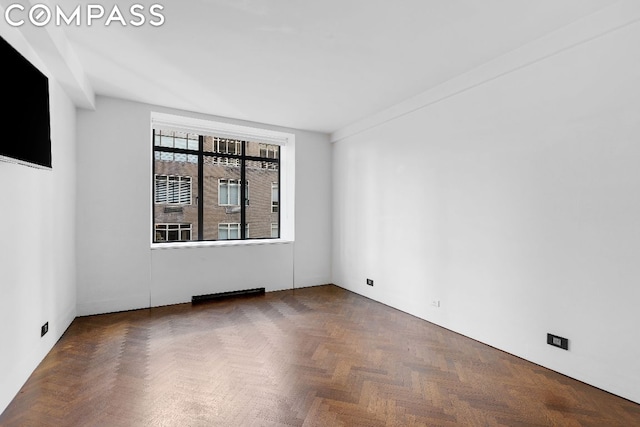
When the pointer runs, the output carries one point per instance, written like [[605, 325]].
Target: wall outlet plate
[[370, 282], [44, 329], [557, 341]]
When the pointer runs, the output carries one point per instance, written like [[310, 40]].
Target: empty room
[[320, 213]]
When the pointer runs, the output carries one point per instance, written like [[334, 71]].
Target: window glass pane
[[234, 231], [221, 199], [166, 141], [173, 189], [161, 235], [275, 197], [234, 193], [176, 188], [259, 210], [267, 151], [193, 144], [184, 191], [223, 232], [223, 192], [172, 232], [180, 143], [228, 231]]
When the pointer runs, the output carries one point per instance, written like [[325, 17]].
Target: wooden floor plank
[[318, 356]]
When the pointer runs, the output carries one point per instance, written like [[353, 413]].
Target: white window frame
[[287, 143]]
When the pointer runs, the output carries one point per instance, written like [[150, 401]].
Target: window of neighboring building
[[173, 189], [201, 175], [228, 231], [275, 195], [172, 232], [231, 231], [269, 152], [229, 192], [226, 146]]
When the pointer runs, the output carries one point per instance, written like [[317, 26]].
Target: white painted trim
[[228, 130], [218, 243], [598, 24]]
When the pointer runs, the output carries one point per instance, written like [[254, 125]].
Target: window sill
[[219, 243]]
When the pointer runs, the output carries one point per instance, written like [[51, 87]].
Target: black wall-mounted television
[[25, 131]]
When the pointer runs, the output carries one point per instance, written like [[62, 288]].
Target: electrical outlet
[[435, 303], [370, 282], [557, 341], [44, 329]]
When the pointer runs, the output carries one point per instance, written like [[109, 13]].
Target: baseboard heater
[[197, 299]]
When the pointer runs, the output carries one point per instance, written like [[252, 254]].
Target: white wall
[[117, 269], [37, 250], [516, 204]]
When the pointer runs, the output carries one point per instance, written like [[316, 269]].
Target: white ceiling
[[308, 64]]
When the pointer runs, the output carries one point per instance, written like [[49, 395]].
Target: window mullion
[[279, 195], [243, 192], [200, 188]]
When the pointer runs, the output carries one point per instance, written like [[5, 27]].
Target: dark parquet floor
[[318, 356]]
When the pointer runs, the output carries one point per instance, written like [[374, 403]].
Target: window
[[202, 171], [226, 146], [275, 196], [229, 192], [231, 231], [173, 189], [269, 152], [173, 232]]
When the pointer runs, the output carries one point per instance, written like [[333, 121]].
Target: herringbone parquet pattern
[[311, 357]]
